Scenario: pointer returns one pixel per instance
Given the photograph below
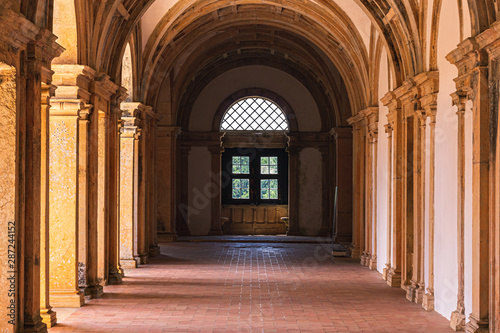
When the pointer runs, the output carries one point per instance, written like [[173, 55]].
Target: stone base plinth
[[362, 259], [419, 295], [428, 302], [48, 317], [94, 291], [66, 299], [165, 237], [115, 277], [129, 263], [457, 320], [143, 259], [373, 263], [477, 326], [154, 250], [394, 278], [34, 325], [293, 233], [385, 272]]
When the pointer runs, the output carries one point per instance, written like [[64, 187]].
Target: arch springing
[[254, 113]]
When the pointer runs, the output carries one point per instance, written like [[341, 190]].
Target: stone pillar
[[326, 221], [472, 63], [343, 181], [457, 320], [48, 316], [115, 273], [129, 176], [63, 198], [10, 199], [73, 82], [216, 198], [388, 130], [373, 139], [293, 150], [182, 218], [166, 166], [428, 301], [394, 118], [154, 249]]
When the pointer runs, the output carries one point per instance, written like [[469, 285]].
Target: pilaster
[[293, 149], [167, 170], [216, 198]]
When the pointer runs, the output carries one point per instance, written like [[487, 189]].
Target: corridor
[[251, 287]]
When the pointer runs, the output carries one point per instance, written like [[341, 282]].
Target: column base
[[386, 271], [362, 259], [49, 317], [94, 291], [477, 326], [34, 324], [457, 320], [354, 251], [419, 294], [293, 233], [394, 278], [166, 237], [428, 301], [66, 299], [143, 258], [154, 250], [411, 291], [115, 277], [373, 263], [129, 263]]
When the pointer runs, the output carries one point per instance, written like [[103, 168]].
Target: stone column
[[388, 130], [216, 198], [326, 222], [63, 198], [394, 118], [115, 272], [428, 301], [10, 198], [154, 249], [293, 150], [48, 316], [457, 320], [73, 82], [129, 172], [166, 166], [343, 181], [374, 145], [182, 225]]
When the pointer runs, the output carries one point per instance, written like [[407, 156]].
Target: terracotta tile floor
[[251, 287]]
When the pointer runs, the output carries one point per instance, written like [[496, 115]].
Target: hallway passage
[[251, 287]]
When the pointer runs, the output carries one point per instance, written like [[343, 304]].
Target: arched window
[[254, 114]]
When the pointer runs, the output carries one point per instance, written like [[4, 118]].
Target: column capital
[[388, 130], [69, 108]]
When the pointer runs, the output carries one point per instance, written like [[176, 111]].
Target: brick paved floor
[[245, 287]]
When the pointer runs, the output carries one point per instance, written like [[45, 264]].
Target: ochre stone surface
[[7, 185], [63, 200]]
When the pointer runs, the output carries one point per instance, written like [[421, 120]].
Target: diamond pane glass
[[254, 114]]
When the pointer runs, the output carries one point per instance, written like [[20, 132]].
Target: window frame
[[255, 176]]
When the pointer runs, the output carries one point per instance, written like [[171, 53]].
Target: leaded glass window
[[254, 114]]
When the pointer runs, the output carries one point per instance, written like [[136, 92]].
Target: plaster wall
[[277, 81], [382, 175], [310, 191], [446, 284]]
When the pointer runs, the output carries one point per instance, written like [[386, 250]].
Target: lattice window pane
[[269, 189], [254, 114], [241, 188]]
